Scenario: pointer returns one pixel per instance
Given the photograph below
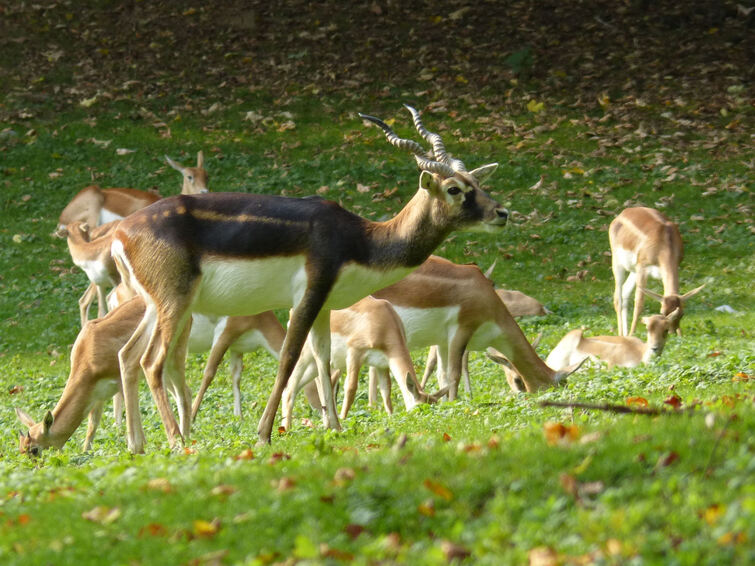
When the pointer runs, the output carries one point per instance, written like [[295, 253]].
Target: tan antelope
[[368, 332], [645, 243], [456, 308], [518, 304], [90, 250], [95, 369], [96, 206], [232, 254], [622, 351]]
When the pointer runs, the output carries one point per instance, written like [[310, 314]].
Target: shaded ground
[[694, 56]]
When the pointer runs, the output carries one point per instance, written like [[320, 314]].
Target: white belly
[[355, 282], [241, 287], [427, 327], [628, 260]]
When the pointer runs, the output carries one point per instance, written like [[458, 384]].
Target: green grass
[[479, 472]]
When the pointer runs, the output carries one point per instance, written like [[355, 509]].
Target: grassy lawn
[[492, 478]]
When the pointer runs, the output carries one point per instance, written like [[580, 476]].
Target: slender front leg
[[455, 355], [302, 318], [128, 360], [219, 348], [639, 297], [101, 302], [353, 365], [372, 387], [619, 274], [153, 363], [85, 302], [626, 296], [383, 380], [175, 375], [237, 366], [319, 337], [432, 362], [465, 373], [94, 420]]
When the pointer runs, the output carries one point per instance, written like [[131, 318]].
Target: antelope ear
[[200, 159], [48, 420], [411, 384], [25, 418], [483, 172], [176, 166], [437, 396], [498, 357], [429, 182], [652, 294], [691, 293], [676, 314]]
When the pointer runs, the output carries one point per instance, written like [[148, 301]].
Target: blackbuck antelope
[[90, 250], [368, 332], [96, 206], [233, 254], [645, 243], [622, 351], [456, 308], [95, 370]]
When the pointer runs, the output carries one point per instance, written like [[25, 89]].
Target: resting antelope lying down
[[368, 332], [622, 351], [95, 371]]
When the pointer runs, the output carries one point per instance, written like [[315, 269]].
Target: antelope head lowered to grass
[[622, 351], [645, 243], [234, 254], [96, 206]]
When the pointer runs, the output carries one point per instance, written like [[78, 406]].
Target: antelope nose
[[502, 215]]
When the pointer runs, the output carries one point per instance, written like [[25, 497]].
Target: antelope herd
[[204, 271]]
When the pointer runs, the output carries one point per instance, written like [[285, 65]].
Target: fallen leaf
[[326, 551], [558, 433], [15, 389], [285, 484], [101, 514], [206, 529], [427, 508], [124, 151], [543, 556], [534, 106], [159, 484], [224, 490], [667, 460], [354, 530], [446, 437], [712, 514], [344, 476], [153, 530], [741, 376], [637, 402], [245, 455], [674, 400], [438, 489]]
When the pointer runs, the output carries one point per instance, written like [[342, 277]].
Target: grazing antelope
[[645, 243], [90, 250], [518, 304], [455, 307], [96, 206], [368, 332], [95, 370], [93, 379], [622, 351], [231, 254]]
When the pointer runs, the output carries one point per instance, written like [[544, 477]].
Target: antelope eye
[[190, 177], [454, 190]]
